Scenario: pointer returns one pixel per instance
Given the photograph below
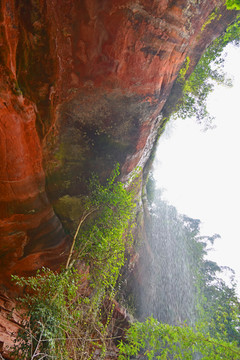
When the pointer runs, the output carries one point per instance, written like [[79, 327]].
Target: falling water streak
[[165, 289]]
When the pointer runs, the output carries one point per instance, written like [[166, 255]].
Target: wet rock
[[82, 86]]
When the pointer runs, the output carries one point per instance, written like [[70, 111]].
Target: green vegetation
[[215, 14], [183, 70], [206, 324], [233, 4], [64, 317], [155, 340], [206, 74]]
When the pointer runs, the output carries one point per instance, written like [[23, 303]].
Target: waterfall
[[165, 273]]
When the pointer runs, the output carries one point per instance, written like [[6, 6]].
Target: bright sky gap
[[200, 171]]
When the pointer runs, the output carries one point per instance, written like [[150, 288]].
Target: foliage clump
[[48, 321], [63, 311], [155, 340], [207, 73], [233, 4]]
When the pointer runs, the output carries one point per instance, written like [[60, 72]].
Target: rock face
[[82, 87]]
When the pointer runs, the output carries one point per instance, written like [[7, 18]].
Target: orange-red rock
[[82, 86]]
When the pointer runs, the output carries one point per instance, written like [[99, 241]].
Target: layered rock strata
[[82, 86]]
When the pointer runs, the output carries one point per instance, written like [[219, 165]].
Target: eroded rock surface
[[82, 87]]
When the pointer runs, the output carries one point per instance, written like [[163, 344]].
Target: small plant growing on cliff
[[183, 70], [63, 317], [215, 14]]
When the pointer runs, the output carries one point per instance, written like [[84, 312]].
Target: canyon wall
[[82, 86]]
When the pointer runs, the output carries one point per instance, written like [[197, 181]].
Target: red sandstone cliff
[[82, 86]]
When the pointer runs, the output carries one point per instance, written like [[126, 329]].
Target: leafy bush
[[47, 320], [101, 243], [233, 4], [155, 340], [207, 73], [62, 314]]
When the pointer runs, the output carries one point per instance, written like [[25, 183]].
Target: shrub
[[156, 340], [61, 321]]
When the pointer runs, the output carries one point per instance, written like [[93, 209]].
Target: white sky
[[201, 170]]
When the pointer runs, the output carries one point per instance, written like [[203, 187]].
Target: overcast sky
[[201, 170]]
